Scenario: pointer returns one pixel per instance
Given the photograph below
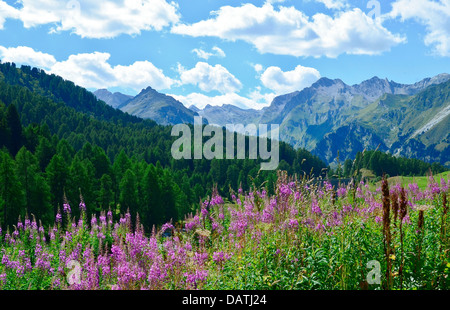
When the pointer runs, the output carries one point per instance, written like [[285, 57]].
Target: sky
[[216, 52]]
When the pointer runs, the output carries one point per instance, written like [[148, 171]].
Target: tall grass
[[308, 235]]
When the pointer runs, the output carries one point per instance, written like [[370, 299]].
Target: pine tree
[[57, 175], [105, 194], [10, 191], [151, 211], [15, 129], [35, 187], [128, 193]]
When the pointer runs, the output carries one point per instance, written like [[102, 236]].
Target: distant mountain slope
[[331, 116], [229, 114], [150, 104], [412, 126], [328, 104], [115, 100]]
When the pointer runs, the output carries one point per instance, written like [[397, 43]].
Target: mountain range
[[332, 119], [149, 104]]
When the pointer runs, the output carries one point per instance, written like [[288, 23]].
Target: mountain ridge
[[374, 113], [149, 104], [315, 113]]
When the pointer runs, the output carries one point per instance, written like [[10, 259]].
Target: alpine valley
[[331, 119]]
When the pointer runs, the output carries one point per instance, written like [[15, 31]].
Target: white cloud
[[94, 19], [258, 68], [92, 70], [287, 31], [334, 4], [286, 82], [205, 55], [435, 15], [6, 12], [218, 52], [142, 74], [26, 55], [209, 78], [261, 100]]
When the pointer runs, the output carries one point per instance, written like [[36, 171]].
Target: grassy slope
[[422, 181]]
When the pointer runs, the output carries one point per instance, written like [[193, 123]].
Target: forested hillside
[[377, 164], [60, 145]]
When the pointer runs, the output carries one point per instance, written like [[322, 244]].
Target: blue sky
[[227, 52]]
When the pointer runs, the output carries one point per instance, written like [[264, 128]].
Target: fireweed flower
[[204, 212], [195, 278], [193, 223], [319, 227], [293, 224], [66, 208], [102, 219], [263, 194], [359, 192], [5, 260], [82, 206], [347, 208], [20, 270], [341, 192], [216, 200], [200, 258], [406, 219], [315, 207], [218, 257], [445, 185], [285, 190]]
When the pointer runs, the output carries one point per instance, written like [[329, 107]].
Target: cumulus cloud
[[288, 31], [334, 4], [216, 51], [286, 82], [6, 12], [261, 99], [94, 19], [92, 70], [26, 55], [434, 15], [209, 78]]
